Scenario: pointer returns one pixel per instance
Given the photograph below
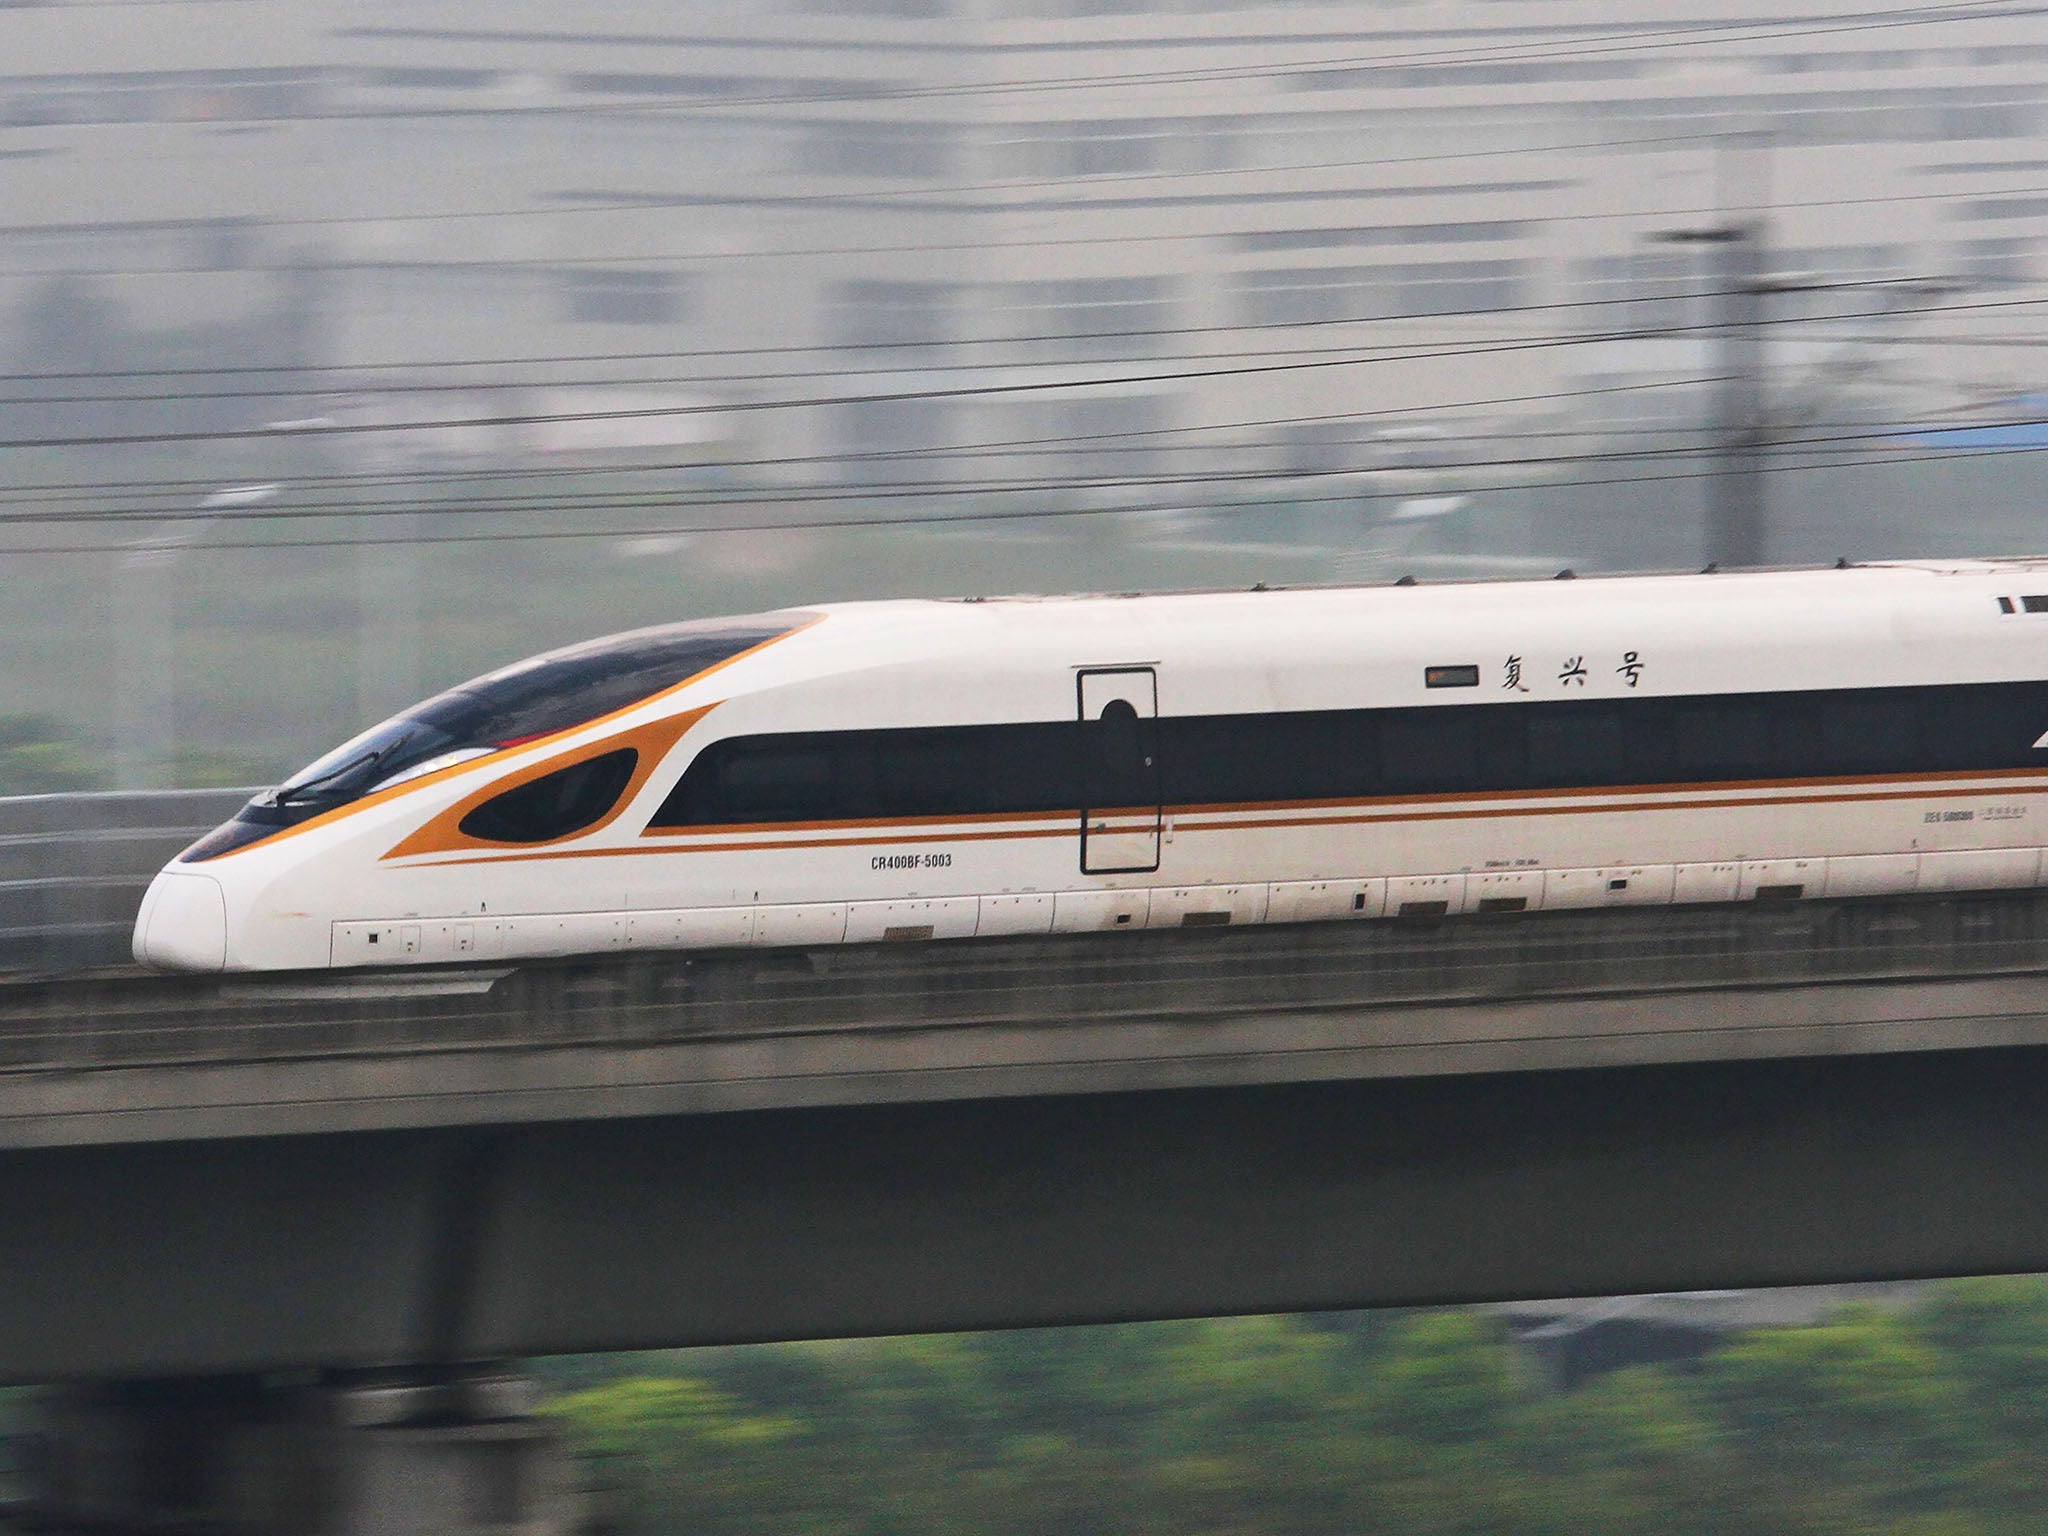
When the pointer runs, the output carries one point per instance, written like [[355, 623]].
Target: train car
[[949, 769]]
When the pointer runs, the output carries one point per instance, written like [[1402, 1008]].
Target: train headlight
[[183, 924]]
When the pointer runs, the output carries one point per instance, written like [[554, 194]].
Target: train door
[[1120, 770]]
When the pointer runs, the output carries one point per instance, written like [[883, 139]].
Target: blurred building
[[879, 242]]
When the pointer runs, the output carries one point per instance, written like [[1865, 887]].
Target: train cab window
[[537, 697], [568, 687], [555, 804]]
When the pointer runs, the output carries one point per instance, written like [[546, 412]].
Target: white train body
[[926, 769]]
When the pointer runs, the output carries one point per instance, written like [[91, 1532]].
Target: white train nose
[[183, 924]]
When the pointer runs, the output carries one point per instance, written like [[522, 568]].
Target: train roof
[[1852, 585]]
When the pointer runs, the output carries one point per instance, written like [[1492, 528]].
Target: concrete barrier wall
[[116, 1056], [73, 869]]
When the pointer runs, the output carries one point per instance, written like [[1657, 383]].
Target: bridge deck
[[220, 1175], [113, 1058]]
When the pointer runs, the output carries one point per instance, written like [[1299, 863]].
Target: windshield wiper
[[299, 794]]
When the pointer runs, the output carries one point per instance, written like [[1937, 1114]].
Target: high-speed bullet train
[[930, 770]]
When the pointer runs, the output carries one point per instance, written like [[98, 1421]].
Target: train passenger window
[[836, 775], [1986, 727], [1582, 747], [1297, 755], [776, 778], [929, 773], [1721, 739], [762, 778], [1218, 759], [1869, 732], [555, 804], [1648, 752], [1313, 756], [1430, 749], [1033, 767], [1333, 754]]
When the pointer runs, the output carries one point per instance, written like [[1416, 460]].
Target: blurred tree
[[1993, 1336], [670, 1454], [1858, 1412], [1635, 1450], [1864, 1425], [1445, 1378]]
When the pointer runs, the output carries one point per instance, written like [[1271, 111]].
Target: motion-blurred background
[[348, 352]]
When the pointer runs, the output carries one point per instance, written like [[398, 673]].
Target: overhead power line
[[897, 367], [871, 520], [1347, 358], [1813, 438], [457, 475], [1808, 445]]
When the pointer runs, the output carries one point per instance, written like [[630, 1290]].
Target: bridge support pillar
[[367, 1456]]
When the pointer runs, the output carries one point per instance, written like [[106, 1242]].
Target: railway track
[[124, 1016]]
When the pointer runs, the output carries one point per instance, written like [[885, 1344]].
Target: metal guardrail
[[1186, 977], [73, 869]]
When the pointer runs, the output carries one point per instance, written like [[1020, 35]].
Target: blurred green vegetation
[[1871, 1423], [216, 768], [38, 757]]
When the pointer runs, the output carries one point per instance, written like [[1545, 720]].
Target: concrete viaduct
[[219, 1195]]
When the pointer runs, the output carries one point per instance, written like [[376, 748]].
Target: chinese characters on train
[[1572, 672]]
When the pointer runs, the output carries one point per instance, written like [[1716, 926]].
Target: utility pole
[[1737, 507], [1737, 519], [1737, 528]]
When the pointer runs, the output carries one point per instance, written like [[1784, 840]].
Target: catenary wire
[[883, 521], [1785, 454], [1349, 358], [459, 475], [1616, 444], [896, 368]]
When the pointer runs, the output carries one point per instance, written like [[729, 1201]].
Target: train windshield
[[529, 699]]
